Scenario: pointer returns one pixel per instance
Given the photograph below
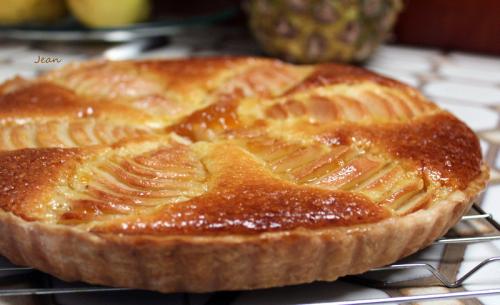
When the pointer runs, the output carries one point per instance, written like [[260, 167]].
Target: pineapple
[[109, 13], [309, 31]]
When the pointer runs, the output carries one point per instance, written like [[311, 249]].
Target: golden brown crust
[[161, 174], [44, 100], [439, 143], [245, 199], [28, 177], [177, 87], [331, 74]]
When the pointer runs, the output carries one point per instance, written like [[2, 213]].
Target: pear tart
[[225, 173]]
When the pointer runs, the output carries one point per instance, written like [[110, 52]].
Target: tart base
[[230, 262]]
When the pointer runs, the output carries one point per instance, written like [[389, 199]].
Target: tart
[[211, 174]]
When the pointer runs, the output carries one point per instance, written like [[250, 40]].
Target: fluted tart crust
[[225, 173]]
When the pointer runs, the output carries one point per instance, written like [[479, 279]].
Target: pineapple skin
[[311, 31]]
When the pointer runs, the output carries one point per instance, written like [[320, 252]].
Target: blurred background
[[302, 31]]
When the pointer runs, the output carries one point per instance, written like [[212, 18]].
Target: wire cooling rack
[[475, 214]]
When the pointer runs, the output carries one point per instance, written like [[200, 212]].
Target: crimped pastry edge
[[229, 262]]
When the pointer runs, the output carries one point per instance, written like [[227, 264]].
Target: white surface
[[399, 75], [474, 94], [478, 118], [468, 73], [475, 62]]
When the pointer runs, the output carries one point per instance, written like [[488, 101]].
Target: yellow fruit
[[109, 13], [20, 11]]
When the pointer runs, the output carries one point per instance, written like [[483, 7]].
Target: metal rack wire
[[477, 214]]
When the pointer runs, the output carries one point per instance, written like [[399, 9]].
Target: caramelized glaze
[[441, 146], [28, 177], [254, 209], [331, 74], [207, 122], [33, 100], [245, 198]]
